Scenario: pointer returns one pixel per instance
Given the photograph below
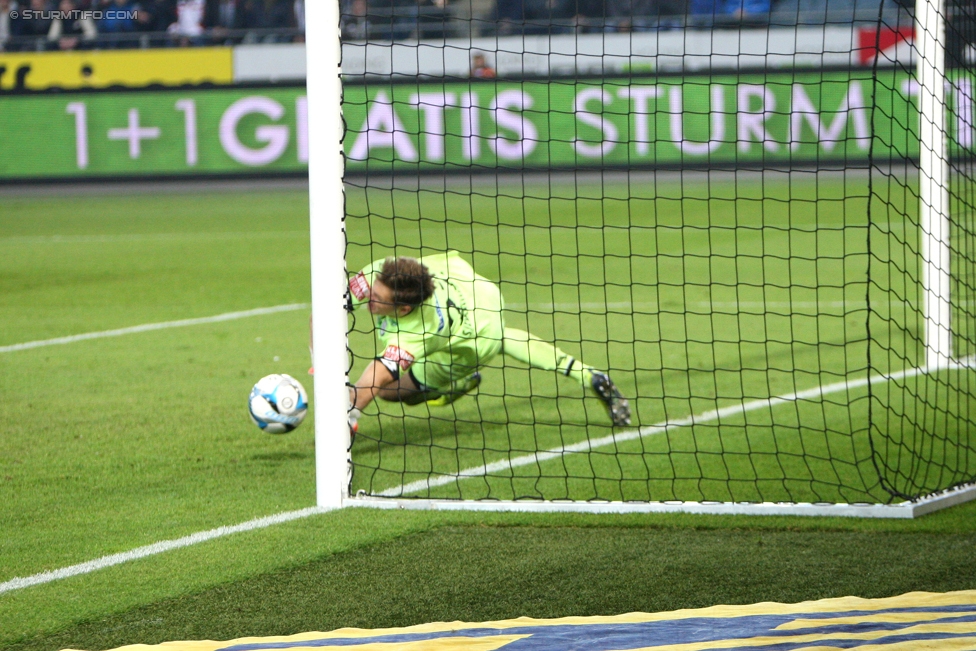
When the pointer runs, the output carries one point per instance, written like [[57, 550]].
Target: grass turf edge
[[483, 573], [42, 611]]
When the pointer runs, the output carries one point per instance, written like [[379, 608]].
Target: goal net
[[921, 257], [756, 221]]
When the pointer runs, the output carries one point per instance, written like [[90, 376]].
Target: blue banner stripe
[[843, 644], [865, 627], [656, 633]]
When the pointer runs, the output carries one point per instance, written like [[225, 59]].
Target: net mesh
[[921, 261], [739, 249]]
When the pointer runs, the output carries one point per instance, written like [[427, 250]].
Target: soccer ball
[[278, 403]]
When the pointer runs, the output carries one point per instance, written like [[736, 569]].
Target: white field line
[[659, 428], [147, 327], [155, 548], [230, 316]]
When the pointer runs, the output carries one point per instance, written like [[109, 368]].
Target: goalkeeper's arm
[[374, 378]]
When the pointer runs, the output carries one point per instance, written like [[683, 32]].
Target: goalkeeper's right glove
[[354, 415]]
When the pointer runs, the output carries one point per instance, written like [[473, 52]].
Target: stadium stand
[[175, 23]]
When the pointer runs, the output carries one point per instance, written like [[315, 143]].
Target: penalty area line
[[662, 427], [148, 327], [156, 548]]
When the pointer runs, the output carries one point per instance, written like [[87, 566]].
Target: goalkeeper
[[439, 323]]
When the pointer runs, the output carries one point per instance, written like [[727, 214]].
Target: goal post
[[704, 224], [933, 182], [328, 242]]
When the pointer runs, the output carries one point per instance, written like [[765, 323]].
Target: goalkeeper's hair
[[410, 281]]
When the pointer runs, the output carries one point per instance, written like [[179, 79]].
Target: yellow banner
[[918, 620], [104, 68]]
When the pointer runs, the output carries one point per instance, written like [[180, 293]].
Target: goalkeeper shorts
[[442, 369]]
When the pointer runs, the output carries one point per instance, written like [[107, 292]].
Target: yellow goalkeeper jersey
[[452, 334]]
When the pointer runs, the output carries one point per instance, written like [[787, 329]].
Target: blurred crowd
[[403, 19], [433, 19], [73, 24], [84, 24], [575, 16]]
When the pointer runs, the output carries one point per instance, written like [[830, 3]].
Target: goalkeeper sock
[[577, 370], [535, 352]]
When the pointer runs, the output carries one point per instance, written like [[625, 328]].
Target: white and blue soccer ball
[[278, 403]]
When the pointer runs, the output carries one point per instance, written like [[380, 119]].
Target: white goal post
[[328, 252], [329, 286], [933, 180]]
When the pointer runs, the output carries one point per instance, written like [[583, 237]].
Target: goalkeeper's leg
[[535, 352]]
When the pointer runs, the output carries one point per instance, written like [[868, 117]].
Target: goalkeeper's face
[[381, 302]]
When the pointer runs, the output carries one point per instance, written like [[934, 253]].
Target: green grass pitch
[[114, 443]]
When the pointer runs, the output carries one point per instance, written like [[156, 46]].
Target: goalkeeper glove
[[354, 415]]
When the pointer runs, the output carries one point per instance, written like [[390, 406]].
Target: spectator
[[299, 8], [355, 20], [672, 13], [8, 27], [588, 15], [510, 16], [279, 14], [118, 18], [188, 28], [156, 15], [223, 14], [564, 16], [631, 15], [39, 22], [426, 18], [708, 12], [480, 68], [748, 10], [71, 28], [222, 17], [703, 12], [253, 13], [549, 16], [644, 15], [473, 17]]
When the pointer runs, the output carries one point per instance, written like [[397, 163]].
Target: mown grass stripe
[[147, 327]]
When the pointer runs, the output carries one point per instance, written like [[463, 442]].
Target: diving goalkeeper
[[439, 323]]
